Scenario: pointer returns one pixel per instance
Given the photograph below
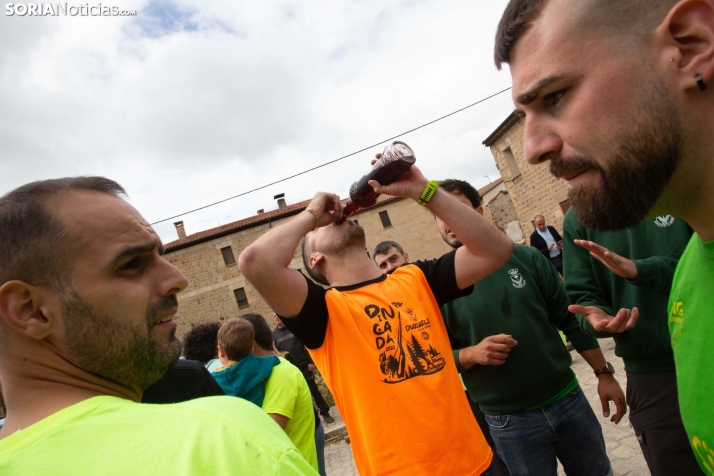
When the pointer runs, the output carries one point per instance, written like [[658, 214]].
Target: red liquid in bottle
[[396, 159]]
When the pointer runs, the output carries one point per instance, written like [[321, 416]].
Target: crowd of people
[[446, 366]]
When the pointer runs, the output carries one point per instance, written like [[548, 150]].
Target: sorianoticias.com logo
[[65, 9]]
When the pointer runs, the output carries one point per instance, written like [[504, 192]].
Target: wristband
[[314, 213], [428, 192]]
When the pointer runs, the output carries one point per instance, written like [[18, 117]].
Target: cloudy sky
[[188, 103]]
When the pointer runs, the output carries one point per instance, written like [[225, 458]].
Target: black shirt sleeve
[[441, 275], [310, 325], [186, 380]]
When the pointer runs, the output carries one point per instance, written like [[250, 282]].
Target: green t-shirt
[[287, 394], [112, 436], [691, 325]]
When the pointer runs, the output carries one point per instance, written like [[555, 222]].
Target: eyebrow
[[139, 249], [532, 94]]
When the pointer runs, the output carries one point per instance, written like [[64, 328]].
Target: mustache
[[561, 166], [166, 303]]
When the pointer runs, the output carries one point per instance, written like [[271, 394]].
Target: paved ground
[[622, 446]]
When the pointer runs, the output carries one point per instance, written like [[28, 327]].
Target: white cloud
[[186, 104]]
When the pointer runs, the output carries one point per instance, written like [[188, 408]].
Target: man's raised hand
[[603, 322], [327, 208], [411, 184], [619, 265]]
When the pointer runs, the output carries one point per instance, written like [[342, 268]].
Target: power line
[[332, 161]]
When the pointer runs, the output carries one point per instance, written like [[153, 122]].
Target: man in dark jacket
[[547, 240]]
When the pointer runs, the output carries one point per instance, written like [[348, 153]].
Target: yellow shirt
[[112, 436]]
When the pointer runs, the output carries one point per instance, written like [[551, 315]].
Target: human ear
[[24, 309], [315, 259], [689, 32], [479, 209]]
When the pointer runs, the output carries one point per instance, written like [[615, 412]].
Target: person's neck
[[38, 382], [690, 190], [352, 268], [260, 352], [698, 210]]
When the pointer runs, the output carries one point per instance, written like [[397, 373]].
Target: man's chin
[[173, 347], [454, 242]]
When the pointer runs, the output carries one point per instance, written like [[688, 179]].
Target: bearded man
[[378, 340], [87, 305], [614, 94]]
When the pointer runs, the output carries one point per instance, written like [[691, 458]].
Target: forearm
[[277, 247], [280, 419], [477, 234], [594, 358], [485, 249], [265, 265]]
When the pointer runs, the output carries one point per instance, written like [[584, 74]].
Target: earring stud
[[700, 82]]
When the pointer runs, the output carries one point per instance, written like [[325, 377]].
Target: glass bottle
[[396, 160]]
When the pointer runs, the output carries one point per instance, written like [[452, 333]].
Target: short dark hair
[[263, 335], [384, 247], [516, 17], [201, 341], [461, 187], [236, 338], [306, 251], [612, 19], [34, 243]]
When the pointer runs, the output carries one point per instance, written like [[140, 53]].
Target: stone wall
[[534, 190], [502, 213]]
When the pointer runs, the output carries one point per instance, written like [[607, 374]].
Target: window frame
[[242, 302]]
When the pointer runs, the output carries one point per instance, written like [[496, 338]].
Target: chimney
[[180, 230], [261, 211], [281, 200]]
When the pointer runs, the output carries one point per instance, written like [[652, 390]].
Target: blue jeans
[[530, 441], [320, 447]]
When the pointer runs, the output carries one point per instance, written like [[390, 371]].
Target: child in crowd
[[253, 372], [243, 374]]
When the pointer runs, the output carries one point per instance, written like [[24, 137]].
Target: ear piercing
[[700, 82]]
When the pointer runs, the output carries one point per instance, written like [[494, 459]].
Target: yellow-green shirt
[[691, 324], [112, 436], [287, 394]]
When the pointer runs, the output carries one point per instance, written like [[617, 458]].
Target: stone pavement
[[622, 446]]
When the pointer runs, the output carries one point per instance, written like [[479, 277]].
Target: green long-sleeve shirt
[[655, 246], [525, 299]]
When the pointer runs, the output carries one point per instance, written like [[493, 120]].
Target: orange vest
[[387, 359]]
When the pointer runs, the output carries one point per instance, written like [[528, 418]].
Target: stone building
[[217, 290], [532, 188], [499, 209]]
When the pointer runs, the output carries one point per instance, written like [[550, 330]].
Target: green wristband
[[428, 192]]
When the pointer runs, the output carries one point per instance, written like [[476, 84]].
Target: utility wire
[[332, 161]]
